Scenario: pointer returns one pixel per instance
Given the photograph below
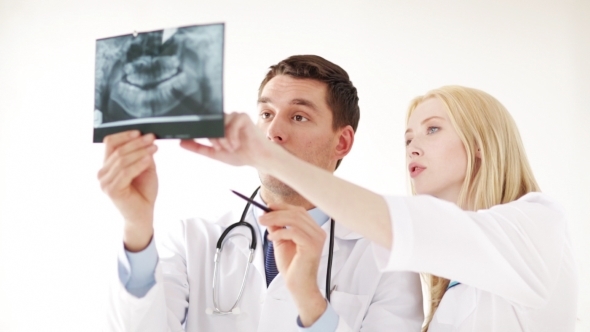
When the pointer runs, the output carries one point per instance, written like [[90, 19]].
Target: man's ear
[[345, 141]]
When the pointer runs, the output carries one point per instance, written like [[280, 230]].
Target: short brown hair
[[341, 96]]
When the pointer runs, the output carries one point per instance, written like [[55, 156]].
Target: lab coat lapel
[[342, 235], [278, 306], [277, 289]]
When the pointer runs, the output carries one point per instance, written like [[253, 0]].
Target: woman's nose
[[414, 150]]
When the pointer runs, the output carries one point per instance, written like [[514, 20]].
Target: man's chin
[[275, 186]]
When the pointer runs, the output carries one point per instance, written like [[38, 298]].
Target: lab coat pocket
[[350, 307]]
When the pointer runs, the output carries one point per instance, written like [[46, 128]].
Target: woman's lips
[[415, 169]]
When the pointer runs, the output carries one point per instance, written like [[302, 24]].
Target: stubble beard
[[280, 189], [277, 187]]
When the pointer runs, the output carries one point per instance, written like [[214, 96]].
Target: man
[[308, 106]]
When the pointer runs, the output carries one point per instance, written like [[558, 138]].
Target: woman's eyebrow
[[409, 130], [430, 118]]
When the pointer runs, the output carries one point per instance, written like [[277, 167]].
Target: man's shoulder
[[211, 222], [198, 226]]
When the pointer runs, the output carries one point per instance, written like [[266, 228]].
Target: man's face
[[294, 113]]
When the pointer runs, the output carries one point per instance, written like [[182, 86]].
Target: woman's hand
[[243, 144]]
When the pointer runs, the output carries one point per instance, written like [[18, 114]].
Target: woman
[[478, 219]]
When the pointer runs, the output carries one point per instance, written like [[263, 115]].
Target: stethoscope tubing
[[253, 244], [329, 267]]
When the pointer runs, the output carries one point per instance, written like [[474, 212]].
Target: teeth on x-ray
[[173, 72]]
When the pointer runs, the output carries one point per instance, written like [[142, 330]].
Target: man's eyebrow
[[296, 101], [264, 100], [304, 102], [424, 121]]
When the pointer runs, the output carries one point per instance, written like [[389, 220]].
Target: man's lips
[[415, 169]]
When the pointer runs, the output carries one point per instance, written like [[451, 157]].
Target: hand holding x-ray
[[128, 176]]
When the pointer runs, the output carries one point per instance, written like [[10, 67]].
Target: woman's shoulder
[[535, 206], [541, 201]]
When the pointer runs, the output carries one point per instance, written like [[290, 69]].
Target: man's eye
[[432, 130], [300, 118], [265, 115]]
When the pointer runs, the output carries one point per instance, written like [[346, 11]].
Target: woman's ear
[[478, 153]]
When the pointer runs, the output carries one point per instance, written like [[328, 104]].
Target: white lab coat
[[514, 261], [365, 298]]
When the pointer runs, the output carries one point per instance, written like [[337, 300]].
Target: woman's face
[[435, 155]]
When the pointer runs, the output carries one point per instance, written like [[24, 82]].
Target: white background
[[59, 233]]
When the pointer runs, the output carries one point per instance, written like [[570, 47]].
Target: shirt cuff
[[137, 269], [327, 322]]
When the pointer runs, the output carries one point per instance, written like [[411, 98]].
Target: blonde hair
[[498, 171]]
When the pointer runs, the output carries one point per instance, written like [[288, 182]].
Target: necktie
[[270, 266]]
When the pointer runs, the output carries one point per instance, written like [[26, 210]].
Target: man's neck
[[295, 199]]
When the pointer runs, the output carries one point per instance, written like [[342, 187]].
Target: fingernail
[[134, 133], [148, 137]]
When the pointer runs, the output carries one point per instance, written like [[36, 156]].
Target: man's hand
[[128, 177], [243, 144], [298, 242]]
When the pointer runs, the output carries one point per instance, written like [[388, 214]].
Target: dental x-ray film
[[167, 82]]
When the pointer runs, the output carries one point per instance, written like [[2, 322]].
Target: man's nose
[[276, 130]]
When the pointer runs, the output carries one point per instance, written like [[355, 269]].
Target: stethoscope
[[235, 309]]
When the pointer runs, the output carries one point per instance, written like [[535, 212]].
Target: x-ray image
[[167, 82]]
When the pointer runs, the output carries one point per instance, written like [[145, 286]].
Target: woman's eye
[[432, 130], [408, 141], [300, 118]]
